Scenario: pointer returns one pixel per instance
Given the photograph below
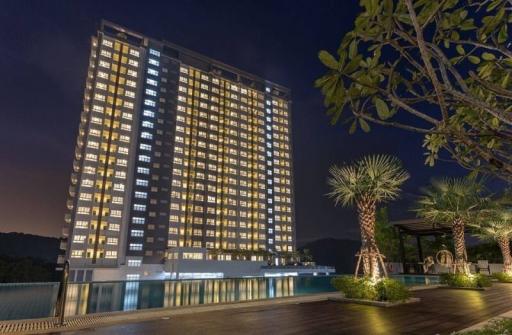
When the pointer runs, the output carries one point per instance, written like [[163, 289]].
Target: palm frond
[[377, 177], [447, 199]]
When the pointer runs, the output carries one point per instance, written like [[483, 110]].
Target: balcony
[[74, 178], [69, 204], [67, 218], [61, 259], [63, 244], [76, 166], [65, 231], [72, 190]]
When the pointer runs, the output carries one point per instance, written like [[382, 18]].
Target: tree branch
[[426, 59]]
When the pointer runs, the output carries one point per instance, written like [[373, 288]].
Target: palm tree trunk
[[460, 246], [369, 248], [504, 244]]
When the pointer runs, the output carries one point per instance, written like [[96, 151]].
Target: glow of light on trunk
[[369, 249], [504, 244], [459, 242]]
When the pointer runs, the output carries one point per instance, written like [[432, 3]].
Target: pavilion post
[[420, 249], [402, 249]]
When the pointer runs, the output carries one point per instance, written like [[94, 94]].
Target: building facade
[[176, 150]]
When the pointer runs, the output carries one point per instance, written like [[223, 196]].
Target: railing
[[299, 267]]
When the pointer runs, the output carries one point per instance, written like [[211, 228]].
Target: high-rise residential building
[[177, 156]]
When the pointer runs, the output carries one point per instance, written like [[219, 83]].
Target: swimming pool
[[37, 300], [24, 301]]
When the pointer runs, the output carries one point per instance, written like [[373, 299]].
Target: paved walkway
[[441, 311]]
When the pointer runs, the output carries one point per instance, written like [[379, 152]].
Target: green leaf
[[353, 64], [493, 5], [364, 125], [460, 49], [323, 80], [328, 60], [336, 113], [353, 127], [488, 56], [382, 109], [352, 51], [503, 35], [506, 79], [474, 59]]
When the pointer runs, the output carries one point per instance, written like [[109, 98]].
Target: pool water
[[37, 300], [24, 301], [417, 280]]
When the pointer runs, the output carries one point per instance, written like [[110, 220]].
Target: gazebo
[[418, 228]]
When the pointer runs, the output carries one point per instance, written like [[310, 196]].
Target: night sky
[[43, 60]]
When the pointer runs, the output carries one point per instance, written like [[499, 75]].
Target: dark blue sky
[[44, 53]]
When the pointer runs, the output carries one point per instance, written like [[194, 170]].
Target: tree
[[497, 225], [438, 68], [306, 256], [386, 237], [455, 201], [365, 183]]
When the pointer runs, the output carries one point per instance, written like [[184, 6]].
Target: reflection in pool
[[37, 300]]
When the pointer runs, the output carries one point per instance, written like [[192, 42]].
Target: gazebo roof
[[420, 227]]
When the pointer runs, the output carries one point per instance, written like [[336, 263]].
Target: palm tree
[[497, 225], [455, 201], [365, 183]]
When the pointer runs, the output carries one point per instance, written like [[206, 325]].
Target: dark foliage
[[25, 269], [339, 253], [26, 245]]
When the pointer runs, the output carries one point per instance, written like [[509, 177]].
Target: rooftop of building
[[196, 60]]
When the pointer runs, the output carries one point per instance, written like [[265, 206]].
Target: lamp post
[[61, 297]]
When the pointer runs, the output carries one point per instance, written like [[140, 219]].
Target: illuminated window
[[153, 62], [144, 146], [148, 102], [135, 246], [141, 195], [114, 227], [153, 72], [146, 135], [79, 238], [85, 196], [111, 254], [141, 182], [83, 210], [107, 43], [77, 253], [137, 233], [144, 158], [149, 113], [147, 124], [142, 170]]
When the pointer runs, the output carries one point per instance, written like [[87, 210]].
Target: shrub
[[363, 288], [466, 281], [392, 290], [503, 277], [495, 327]]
